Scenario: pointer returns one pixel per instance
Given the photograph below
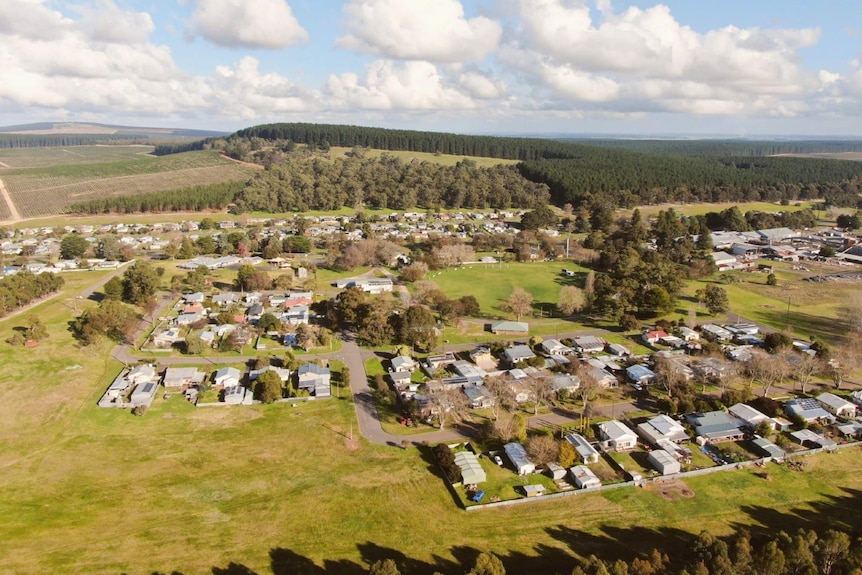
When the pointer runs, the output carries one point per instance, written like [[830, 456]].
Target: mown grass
[[89, 490]]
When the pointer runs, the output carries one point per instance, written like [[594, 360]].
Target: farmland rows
[[42, 197], [45, 157]]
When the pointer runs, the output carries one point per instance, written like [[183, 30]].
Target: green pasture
[[276, 488], [46, 157]]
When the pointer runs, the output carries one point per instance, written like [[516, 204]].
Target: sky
[[731, 68]]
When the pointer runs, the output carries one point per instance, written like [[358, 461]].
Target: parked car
[[498, 460]]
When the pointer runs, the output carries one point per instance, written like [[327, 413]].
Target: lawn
[[491, 284]]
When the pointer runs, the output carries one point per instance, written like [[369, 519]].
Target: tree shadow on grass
[[286, 562], [233, 569], [810, 325]]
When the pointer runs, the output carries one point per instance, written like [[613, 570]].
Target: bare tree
[[571, 300], [768, 370], [501, 392], [540, 389], [542, 449], [449, 404], [669, 375], [803, 368], [520, 302], [587, 388]]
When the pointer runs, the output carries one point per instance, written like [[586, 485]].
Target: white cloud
[[391, 85], [103, 21], [243, 23], [435, 30], [481, 85]]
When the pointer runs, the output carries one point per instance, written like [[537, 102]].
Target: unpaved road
[[13, 211]]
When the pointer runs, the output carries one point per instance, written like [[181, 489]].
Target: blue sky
[[728, 68]]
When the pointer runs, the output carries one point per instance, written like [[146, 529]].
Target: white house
[[750, 416], [616, 436], [227, 377], [837, 406], [586, 451], [554, 347], [518, 456]]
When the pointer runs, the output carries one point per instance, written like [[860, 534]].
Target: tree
[[669, 375], [448, 405], [35, 330], [187, 249], [384, 567], [268, 322], [830, 550], [766, 369], [194, 345], [571, 300], [656, 301], [542, 449], [827, 251], [250, 279], [140, 282], [568, 455], [419, 328], [519, 302], [714, 298], [73, 246], [113, 288], [777, 341], [488, 564], [348, 303], [541, 217], [414, 272], [109, 248], [268, 387], [772, 280], [470, 305]]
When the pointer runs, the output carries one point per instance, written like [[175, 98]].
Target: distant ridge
[[91, 128]]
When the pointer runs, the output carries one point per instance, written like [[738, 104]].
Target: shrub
[[139, 410]]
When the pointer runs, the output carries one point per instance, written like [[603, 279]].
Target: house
[[603, 378], [654, 336], [663, 462], [565, 383], [725, 261], [588, 344], [188, 318], [554, 471], [662, 427], [144, 394], [235, 395], [400, 379], [808, 410], [167, 338], [584, 478], [616, 436], [715, 333], [518, 456], [587, 452], [369, 285], [471, 470], [227, 377], [295, 315], [403, 363], [837, 406], [510, 327], [469, 371], [478, 397], [640, 374], [193, 298], [223, 300], [618, 350], [688, 334], [315, 379], [716, 426], [282, 373], [142, 374], [554, 347], [435, 362], [748, 415], [742, 353], [254, 312], [482, 357], [518, 353], [856, 397], [180, 378]]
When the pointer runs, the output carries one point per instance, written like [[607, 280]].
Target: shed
[[767, 448], [518, 456], [510, 327], [533, 490], [664, 462], [471, 469], [584, 478], [554, 471], [586, 451], [807, 438]]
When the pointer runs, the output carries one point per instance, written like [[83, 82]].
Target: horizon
[[632, 68]]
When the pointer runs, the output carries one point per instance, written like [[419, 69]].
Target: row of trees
[[188, 199], [24, 287]]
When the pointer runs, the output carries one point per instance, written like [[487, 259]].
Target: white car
[[498, 460]]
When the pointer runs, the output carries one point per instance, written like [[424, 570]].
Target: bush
[[139, 410], [446, 460], [771, 280]]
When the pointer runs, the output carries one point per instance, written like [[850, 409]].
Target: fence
[[693, 473]]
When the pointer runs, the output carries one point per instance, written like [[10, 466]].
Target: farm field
[[42, 191], [442, 159], [11, 158]]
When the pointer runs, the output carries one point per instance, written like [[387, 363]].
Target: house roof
[[312, 368], [471, 469], [663, 427], [228, 372], [519, 352], [507, 325], [518, 456], [807, 408], [747, 413], [835, 402], [715, 424], [638, 372], [582, 446], [768, 447], [616, 430]]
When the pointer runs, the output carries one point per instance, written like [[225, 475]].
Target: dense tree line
[[62, 141], [626, 178], [192, 198], [24, 287], [726, 147], [385, 182]]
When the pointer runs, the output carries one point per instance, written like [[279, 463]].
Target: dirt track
[[13, 211]]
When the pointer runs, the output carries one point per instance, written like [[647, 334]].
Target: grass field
[[46, 190], [276, 488], [442, 159], [701, 209]]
